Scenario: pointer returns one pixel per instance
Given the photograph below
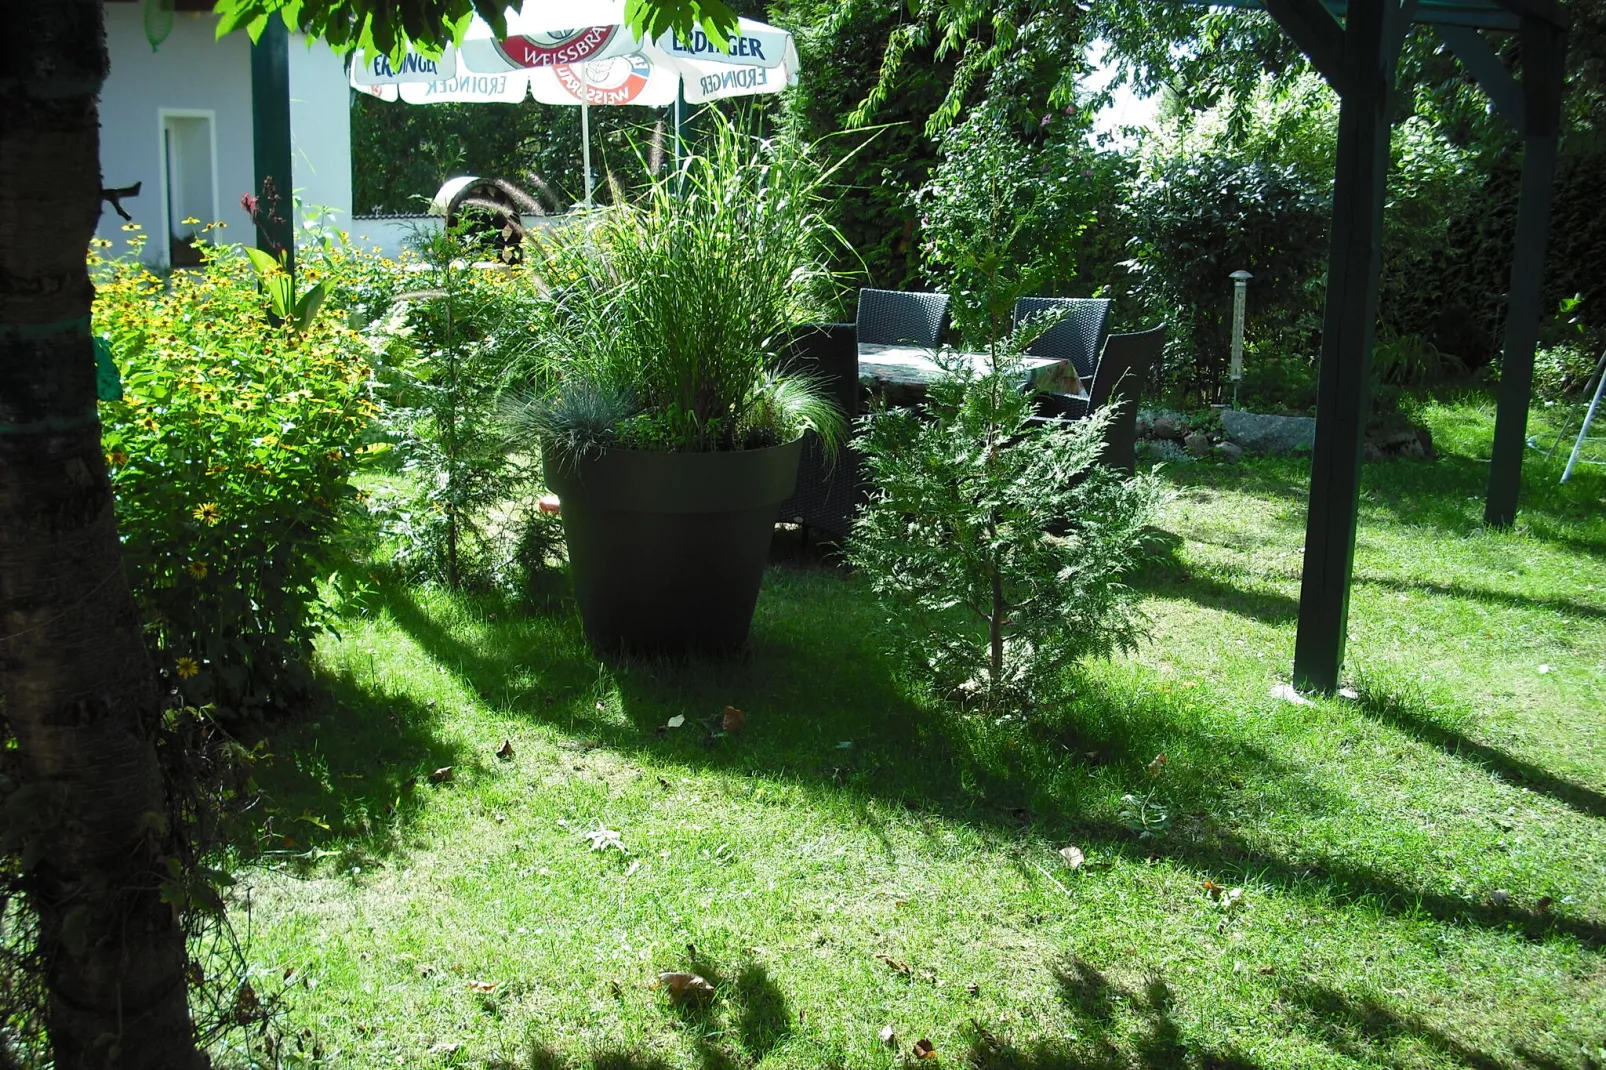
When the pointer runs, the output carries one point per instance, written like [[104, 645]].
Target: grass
[[1423, 866]]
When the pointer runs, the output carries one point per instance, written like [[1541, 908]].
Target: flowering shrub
[[230, 452]]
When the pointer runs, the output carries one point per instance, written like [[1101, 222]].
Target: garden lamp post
[[1240, 288]]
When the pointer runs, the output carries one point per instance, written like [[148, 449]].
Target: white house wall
[[320, 127], [194, 72]]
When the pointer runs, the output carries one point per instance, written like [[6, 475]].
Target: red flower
[[248, 201]]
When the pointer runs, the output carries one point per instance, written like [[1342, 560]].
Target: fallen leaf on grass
[[896, 966], [1157, 765], [924, 1049], [888, 1037], [602, 707], [505, 752], [676, 721], [684, 987], [731, 719], [1073, 856], [615, 990], [1501, 897], [446, 1047], [483, 986], [973, 988], [443, 775], [1213, 888], [1543, 906], [846, 744]]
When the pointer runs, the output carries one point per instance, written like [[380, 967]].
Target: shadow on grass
[[358, 784], [746, 1020], [1564, 606], [1165, 575], [1400, 713], [807, 688], [1449, 494], [811, 682], [1096, 1002], [1365, 1029]]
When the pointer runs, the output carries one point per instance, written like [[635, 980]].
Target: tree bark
[[76, 685]]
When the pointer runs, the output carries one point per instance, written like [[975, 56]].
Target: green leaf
[[265, 264], [280, 294], [308, 306]]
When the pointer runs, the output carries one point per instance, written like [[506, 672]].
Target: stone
[[1197, 444], [1229, 451], [1370, 454], [1413, 449], [1145, 425], [1424, 436], [1399, 441], [1259, 433], [1167, 427]]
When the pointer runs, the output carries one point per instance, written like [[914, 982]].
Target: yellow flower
[[208, 513], [117, 458], [148, 424], [132, 227], [198, 569], [187, 667], [189, 221]]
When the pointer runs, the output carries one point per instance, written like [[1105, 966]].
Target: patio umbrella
[[580, 52]]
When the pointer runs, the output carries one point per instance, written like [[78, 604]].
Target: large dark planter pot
[[667, 550]]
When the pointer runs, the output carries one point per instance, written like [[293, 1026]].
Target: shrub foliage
[[231, 453], [997, 547]]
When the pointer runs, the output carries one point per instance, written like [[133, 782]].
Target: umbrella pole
[[680, 95], [585, 129], [585, 145]]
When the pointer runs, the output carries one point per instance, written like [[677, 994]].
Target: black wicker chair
[[829, 490], [1075, 338], [1126, 366], [893, 317]]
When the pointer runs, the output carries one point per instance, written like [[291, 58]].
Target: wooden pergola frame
[[1355, 45], [1358, 56]]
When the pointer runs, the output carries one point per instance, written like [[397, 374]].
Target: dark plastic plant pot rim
[[652, 481]]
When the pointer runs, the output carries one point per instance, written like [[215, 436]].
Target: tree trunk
[[76, 686]]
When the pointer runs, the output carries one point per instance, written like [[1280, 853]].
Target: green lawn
[[1423, 867]]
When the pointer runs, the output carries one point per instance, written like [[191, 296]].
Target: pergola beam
[[1544, 67], [1316, 32], [1547, 10], [1373, 34], [270, 138], [1482, 62]]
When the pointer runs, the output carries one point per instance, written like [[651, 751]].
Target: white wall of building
[[320, 127], [389, 235], [193, 74]]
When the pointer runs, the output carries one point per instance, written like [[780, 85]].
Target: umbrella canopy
[[581, 52], [605, 64]]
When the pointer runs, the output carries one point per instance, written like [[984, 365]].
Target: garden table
[[902, 374]]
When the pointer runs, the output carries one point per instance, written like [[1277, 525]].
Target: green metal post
[[270, 141], [1543, 67], [1372, 36]]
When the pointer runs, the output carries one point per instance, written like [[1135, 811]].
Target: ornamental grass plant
[[669, 313]]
